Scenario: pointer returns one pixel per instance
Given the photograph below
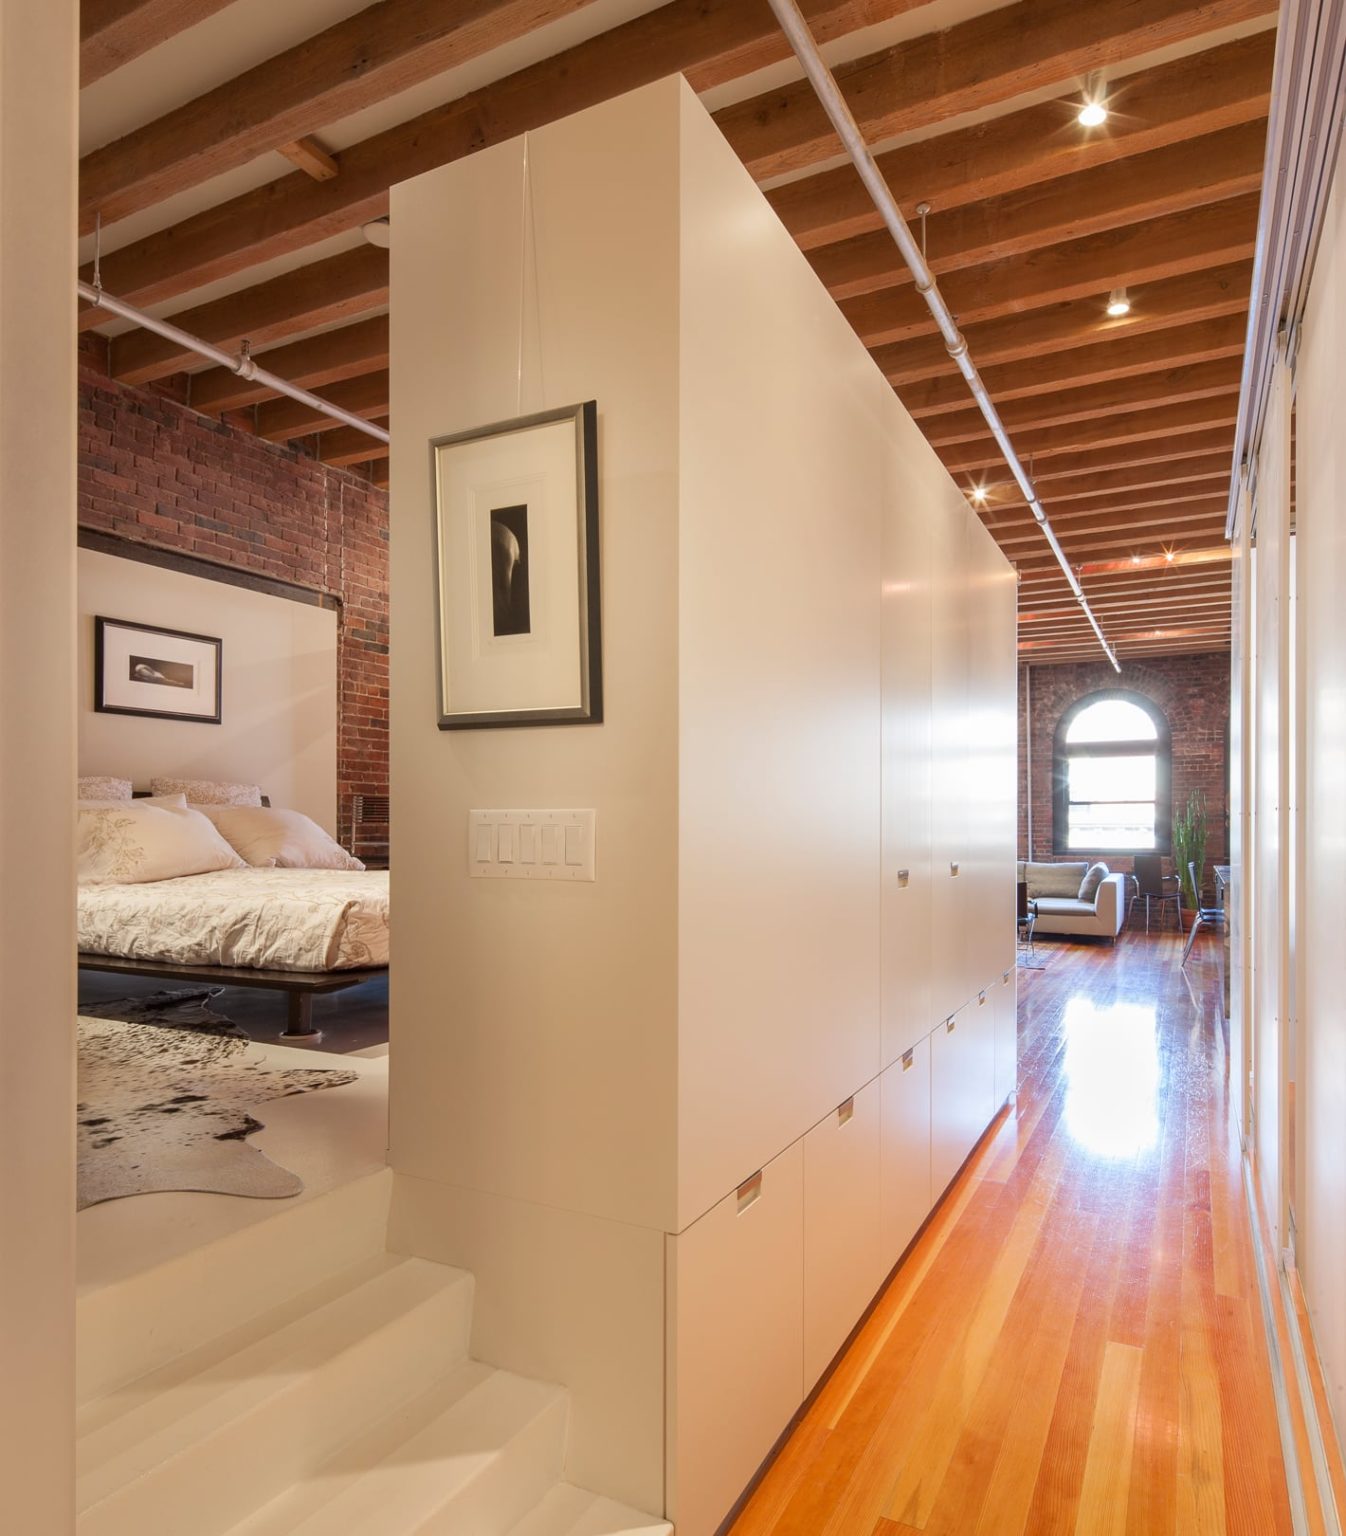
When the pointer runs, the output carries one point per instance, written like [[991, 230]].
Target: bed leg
[[299, 1019]]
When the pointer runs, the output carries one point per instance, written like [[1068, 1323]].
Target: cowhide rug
[[167, 1105]]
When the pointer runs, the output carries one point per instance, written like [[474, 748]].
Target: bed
[[299, 931]]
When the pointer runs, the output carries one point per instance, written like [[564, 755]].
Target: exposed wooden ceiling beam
[[1214, 603], [1149, 451], [348, 445], [978, 63], [1143, 520], [343, 353], [1119, 503], [710, 41], [1122, 355], [1202, 295], [281, 420], [1167, 477], [1109, 197], [1201, 93], [1213, 236], [334, 289], [1169, 386], [353, 64], [1168, 423], [113, 32]]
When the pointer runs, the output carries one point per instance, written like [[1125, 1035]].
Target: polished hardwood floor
[[1074, 1343]]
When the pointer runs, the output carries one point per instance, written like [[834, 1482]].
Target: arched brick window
[[1112, 776]]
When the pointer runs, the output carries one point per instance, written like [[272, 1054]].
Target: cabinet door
[[735, 1346], [950, 983], [904, 1187], [962, 1087], [905, 892], [1006, 1035], [843, 1264]]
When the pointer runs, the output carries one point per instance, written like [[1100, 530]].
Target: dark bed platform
[[300, 987]]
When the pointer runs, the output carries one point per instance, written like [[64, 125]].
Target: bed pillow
[[132, 843], [1093, 878], [208, 791], [97, 787], [175, 802], [276, 839]]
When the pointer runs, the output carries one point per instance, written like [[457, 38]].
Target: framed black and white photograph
[[142, 669], [516, 545]]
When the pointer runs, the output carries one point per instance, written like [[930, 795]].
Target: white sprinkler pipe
[[243, 365], [824, 83]]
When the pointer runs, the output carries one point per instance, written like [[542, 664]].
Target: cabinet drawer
[[962, 1088], [735, 1344], [904, 1144], [843, 1264]]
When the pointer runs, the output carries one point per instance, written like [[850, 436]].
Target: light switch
[[531, 845]]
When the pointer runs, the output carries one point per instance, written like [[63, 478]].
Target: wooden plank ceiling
[[972, 106]]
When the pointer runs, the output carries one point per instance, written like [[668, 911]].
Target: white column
[[38, 72]]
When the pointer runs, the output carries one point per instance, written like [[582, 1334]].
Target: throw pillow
[[134, 842], [1093, 878], [99, 787], [275, 839], [208, 791]]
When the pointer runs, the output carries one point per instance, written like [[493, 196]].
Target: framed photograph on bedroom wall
[[516, 555], [169, 674]]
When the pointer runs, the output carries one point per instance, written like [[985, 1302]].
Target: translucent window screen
[[1112, 778], [1110, 825], [1112, 720]]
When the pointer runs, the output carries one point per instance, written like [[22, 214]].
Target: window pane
[[1112, 778], [1112, 720], [1094, 825]]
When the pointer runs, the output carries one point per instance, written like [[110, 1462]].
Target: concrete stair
[[350, 1407]]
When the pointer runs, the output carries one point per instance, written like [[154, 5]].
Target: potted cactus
[[1189, 846]]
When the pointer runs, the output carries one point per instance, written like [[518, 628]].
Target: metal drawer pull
[[846, 1111], [909, 1059], [749, 1192], [953, 866], [1004, 980], [950, 1025], [903, 876], [981, 999]]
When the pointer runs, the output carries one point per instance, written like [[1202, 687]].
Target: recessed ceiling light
[[1093, 114], [1118, 303], [978, 495]]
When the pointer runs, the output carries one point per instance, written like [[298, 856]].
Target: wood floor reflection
[[1075, 1342]]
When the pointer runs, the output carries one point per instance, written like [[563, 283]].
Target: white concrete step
[[463, 1460], [209, 1438], [571, 1511], [131, 1326]]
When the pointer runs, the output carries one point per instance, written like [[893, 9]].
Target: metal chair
[[1204, 915], [1152, 888]]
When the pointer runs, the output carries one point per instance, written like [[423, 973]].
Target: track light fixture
[[1093, 112], [1118, 303]]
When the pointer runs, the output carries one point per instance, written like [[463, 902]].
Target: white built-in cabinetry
[[765, 1288]]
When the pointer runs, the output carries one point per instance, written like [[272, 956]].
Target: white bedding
[[270, 919]]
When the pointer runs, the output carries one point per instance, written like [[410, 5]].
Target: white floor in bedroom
[[329, 1139]]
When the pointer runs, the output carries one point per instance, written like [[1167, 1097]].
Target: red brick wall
[[1193, 694], [152, 470]]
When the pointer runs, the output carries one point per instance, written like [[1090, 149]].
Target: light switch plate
[[531, 845]]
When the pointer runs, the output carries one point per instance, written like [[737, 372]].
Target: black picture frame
[[589, 709], [107, 689]]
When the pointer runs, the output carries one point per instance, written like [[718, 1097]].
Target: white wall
[[38, 157], [279, 688], [1321, 491], [575, 1060]]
